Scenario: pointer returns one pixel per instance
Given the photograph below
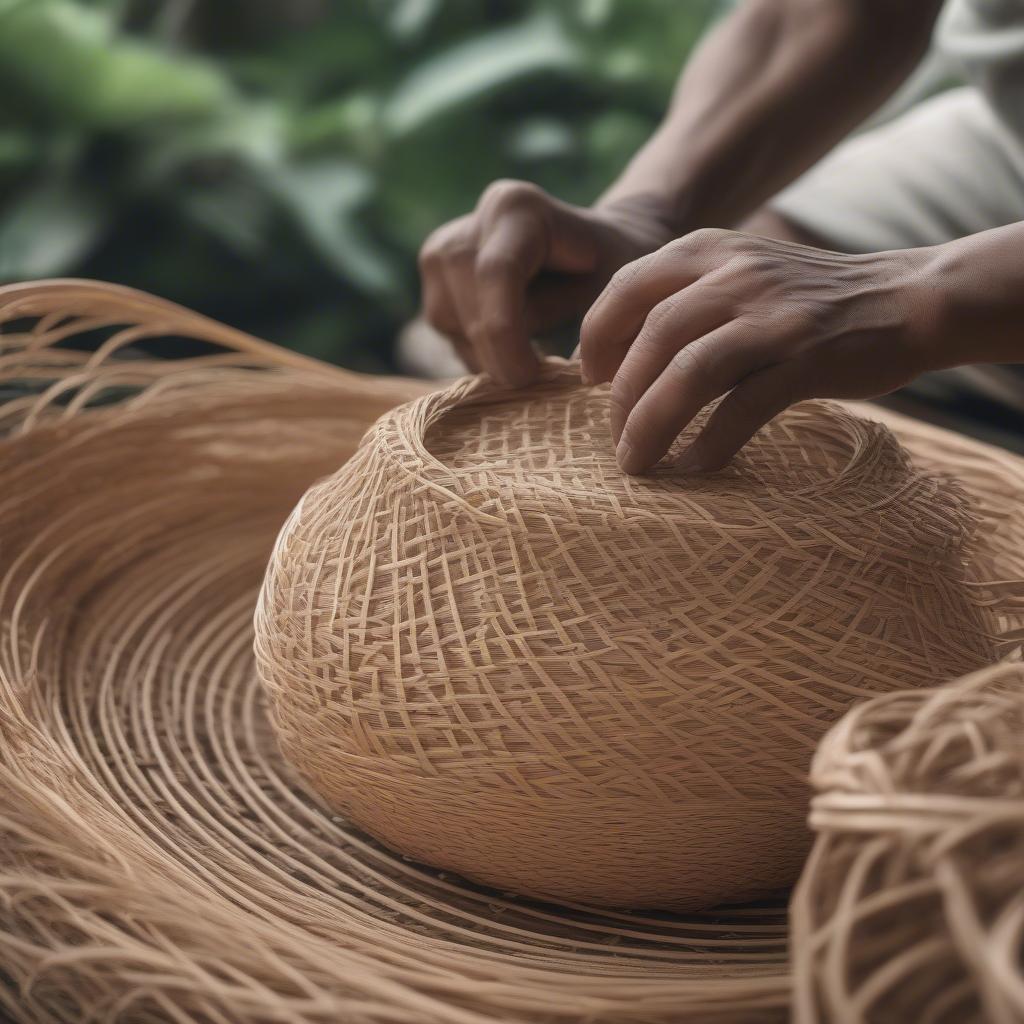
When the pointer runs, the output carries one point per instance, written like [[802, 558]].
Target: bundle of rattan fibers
[[912, 904], [503, 657], [157, 861]]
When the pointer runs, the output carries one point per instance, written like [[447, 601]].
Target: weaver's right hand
[[523, 262]]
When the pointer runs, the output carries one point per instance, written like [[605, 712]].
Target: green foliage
[[277, 163]]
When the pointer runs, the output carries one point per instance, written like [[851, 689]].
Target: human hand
[[765, 323], [522, 262]]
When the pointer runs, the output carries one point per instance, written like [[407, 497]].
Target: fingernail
[[616, 424], [625, 455], [586, 378]]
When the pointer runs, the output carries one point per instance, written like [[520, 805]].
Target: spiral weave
[[159, 862], [912, 904], [501, 656]]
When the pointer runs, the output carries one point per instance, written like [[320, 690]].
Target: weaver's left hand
[[764, 322]]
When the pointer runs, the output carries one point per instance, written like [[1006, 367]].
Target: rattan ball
[[912, 904], [500, 656]]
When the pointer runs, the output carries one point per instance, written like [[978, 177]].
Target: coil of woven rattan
[[158, 861], [912, 904], [503, 657]]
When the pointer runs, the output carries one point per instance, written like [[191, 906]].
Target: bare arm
[[769, 91], [774, 86]]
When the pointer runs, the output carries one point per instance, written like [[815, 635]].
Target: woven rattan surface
[[158, 861], [495, 651], [912, 904]]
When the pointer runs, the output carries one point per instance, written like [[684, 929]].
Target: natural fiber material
[[501, 656], [157, 861], [912, 904]]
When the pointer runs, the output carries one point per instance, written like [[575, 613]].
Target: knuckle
[[660, 328], [696, 361], [621, 280], [618, 281], [439, 240], [493, 266], [429, 257], [704, 239], [446, 247], [509, 193]]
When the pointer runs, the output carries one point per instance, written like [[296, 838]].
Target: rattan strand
[[912, 904]]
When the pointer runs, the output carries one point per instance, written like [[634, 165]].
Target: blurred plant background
[[277, 163]]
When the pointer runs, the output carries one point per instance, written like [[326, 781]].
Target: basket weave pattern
[[158, 860], [498, 654], [158, 863]]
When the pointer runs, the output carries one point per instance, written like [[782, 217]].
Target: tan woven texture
[[500, 655], [158, 862], [912, 904]]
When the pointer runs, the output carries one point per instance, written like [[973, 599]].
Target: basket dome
[[499, 655]]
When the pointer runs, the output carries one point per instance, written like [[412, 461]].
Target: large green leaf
[[70, 62], [472, 69], [252, 133]]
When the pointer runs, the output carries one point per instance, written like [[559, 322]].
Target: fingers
[[670, 326], [511, 254], [615, 319], [477, 273], [567, 237], [438, 259], [755, 401], [696, 375]]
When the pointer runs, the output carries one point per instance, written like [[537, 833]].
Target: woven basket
[[501, 656], [912, 904], [158, 861]]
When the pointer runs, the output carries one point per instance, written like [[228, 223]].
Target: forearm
[[973, 295], [768, 92]]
